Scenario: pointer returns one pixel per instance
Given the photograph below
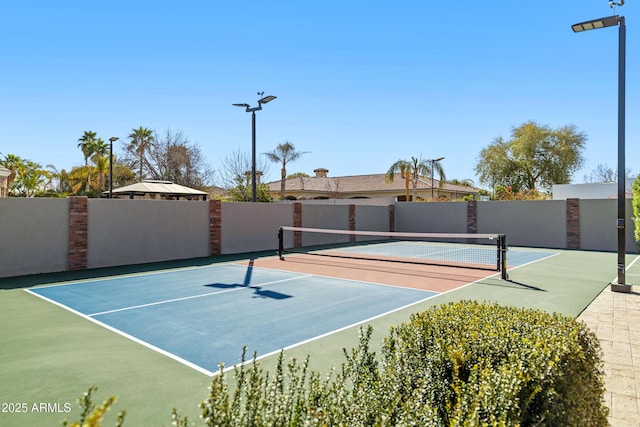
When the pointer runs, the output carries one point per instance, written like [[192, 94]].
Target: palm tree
[[284, 153], [141, 140], [100, 159], [413, 170], [404, 168], [87, 145], [13, 163]]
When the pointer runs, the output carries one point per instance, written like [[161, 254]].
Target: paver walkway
[[615, 318]]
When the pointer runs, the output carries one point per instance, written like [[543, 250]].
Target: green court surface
[[49, 355]]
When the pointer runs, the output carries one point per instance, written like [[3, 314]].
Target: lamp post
[[111, 141], [433, 163], [253, 110], [612, 21]]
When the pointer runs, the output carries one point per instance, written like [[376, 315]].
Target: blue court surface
[[203, 316]]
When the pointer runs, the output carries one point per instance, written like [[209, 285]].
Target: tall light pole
[[111, 141], [253, 110], [612, 21], [433, 163]]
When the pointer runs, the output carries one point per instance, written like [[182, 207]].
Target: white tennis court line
[[615, 279], [361, 322], [139, 274], [131, 337], [239, 288]]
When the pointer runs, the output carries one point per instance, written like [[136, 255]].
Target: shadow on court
[[259, 291]]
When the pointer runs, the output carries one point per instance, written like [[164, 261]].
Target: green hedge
[[482, 364]]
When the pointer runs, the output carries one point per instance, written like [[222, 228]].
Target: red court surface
[[417, 276]]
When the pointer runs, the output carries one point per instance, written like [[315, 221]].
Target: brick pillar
[[215, 227], [352, 222], [392, 217], [78, 233], [573, 223], [472, 216], [297, 222]]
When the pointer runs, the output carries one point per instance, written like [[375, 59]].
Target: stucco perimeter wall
[[431, 217], [33, 235], [598, 225], [532, 223], [250, 227], [123, 231], [372, 218]]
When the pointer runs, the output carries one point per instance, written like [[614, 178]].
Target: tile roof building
[[321, 186]]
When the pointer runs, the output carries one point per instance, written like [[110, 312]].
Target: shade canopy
[[163, 188]]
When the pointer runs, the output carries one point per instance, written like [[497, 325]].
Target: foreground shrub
[[462, 364], [92, 415], [483, 364]]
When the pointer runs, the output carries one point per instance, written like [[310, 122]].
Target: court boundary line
[[128, 336], [553, 254], [128, 275], [615, 279]]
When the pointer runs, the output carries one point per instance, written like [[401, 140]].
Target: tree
[[87, 144], [100, 157], [412, 170], [603, 173], [284, 153], [141, 140], [27, 178], [403, 167], [535, 158], [174, 158], [11, 162], [236, 167]]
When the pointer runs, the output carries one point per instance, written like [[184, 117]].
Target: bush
[[483, 364], [462, 364]]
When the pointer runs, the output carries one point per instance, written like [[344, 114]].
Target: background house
[[322, 186]]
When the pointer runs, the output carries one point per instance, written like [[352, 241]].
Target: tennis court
[[203, 316], [153, 334]]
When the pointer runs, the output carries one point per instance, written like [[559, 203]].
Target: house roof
[[4, 172], [158, 187], [360, 183]]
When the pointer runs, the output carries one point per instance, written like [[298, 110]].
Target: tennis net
[[470, 250]]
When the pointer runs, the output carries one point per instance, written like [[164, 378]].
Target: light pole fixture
[[594, 24], [111, 141], [433, 163], [253, 110]]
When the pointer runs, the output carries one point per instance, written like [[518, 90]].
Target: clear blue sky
[[360, 84]]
